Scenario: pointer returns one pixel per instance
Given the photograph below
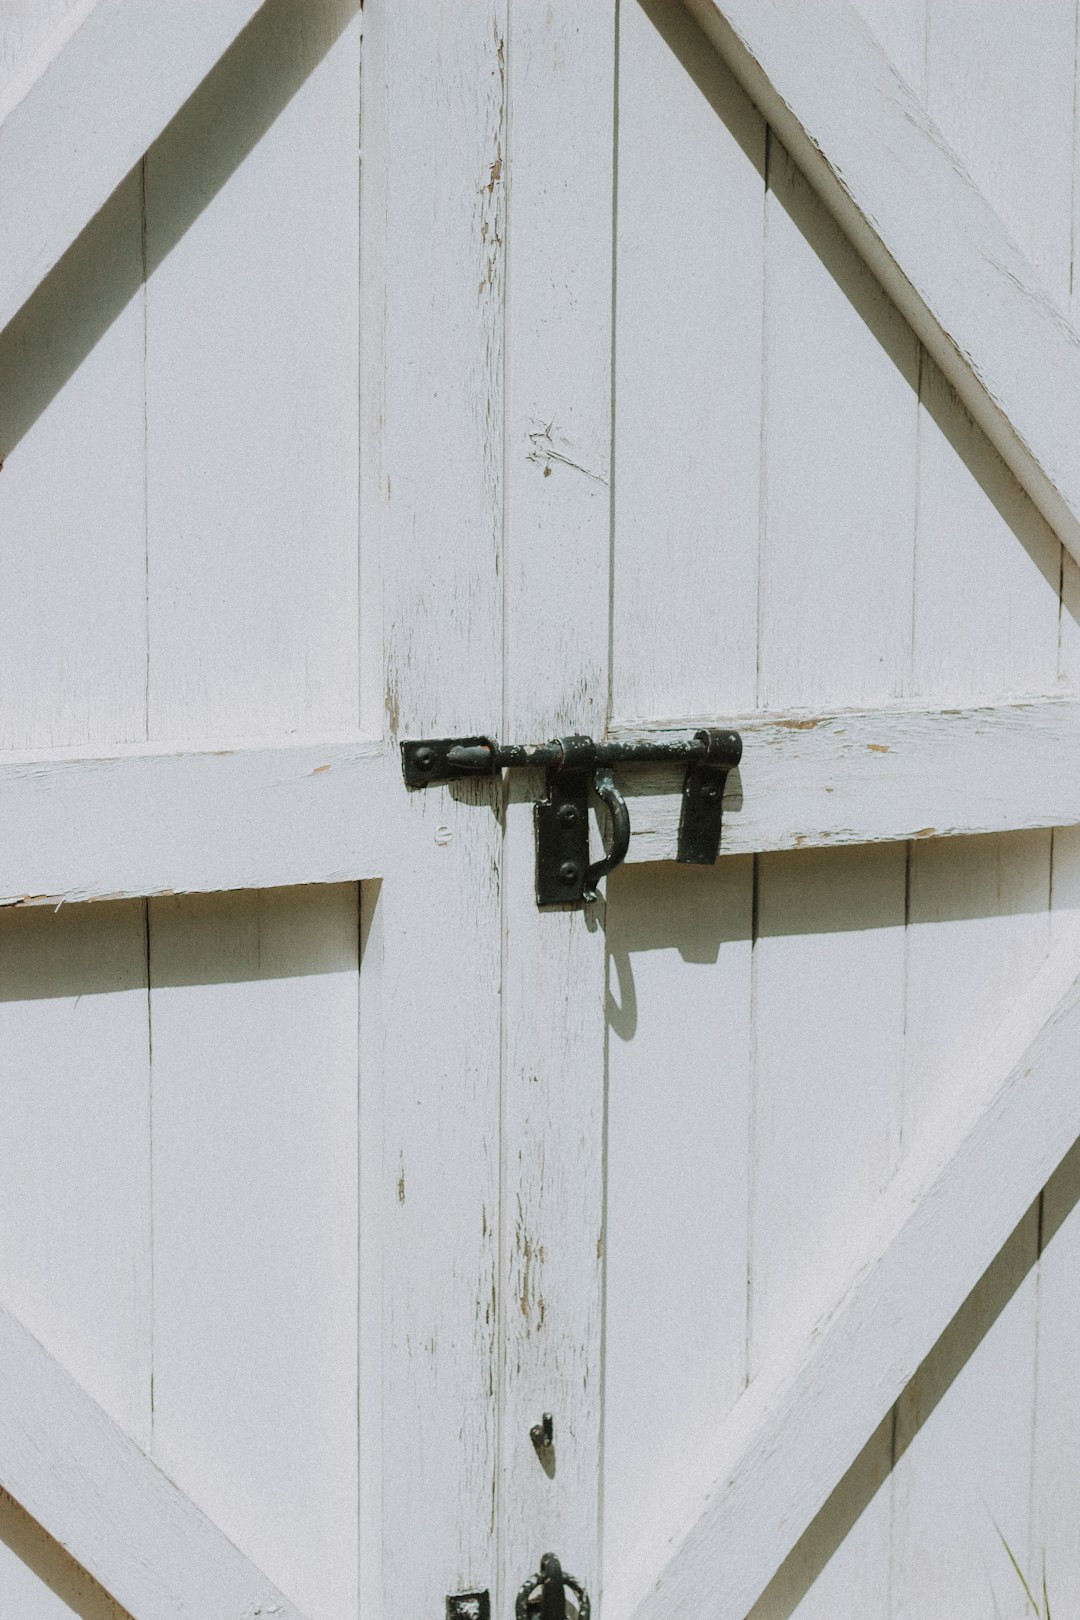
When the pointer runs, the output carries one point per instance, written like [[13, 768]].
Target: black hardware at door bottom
[[543, 1596]]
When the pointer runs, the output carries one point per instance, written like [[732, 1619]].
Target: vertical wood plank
[[987, 566], [963, 1443], [1057, 1410], [987, 577], [432, 498], [828, 1049], [1052, 1545], [252, 242], [254, 1022], [75, 1258], [72, 659], [978, 930], [251, 249], [689, 311], [834, 621], [688, 373], [839, 472], [372, 1226], [74, 1151], [999, 84], [827, 1074], [678, 1180], [561, 80]]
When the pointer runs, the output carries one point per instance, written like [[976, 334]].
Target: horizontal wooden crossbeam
[[868, 146], [796, 1431], [874, 776], [145, 820], [150, 821], [112, 1509], [73, 134]]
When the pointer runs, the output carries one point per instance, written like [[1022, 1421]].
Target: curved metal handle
[[604, 784], [543, 1596]]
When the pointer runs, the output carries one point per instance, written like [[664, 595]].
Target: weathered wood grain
[[147, 822], [561, 85], [144, 822], [433, 502], [870, 776]]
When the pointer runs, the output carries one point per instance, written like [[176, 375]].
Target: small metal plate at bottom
[[468, 1606]]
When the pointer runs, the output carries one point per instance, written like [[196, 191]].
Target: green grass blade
[[1020, 1574]]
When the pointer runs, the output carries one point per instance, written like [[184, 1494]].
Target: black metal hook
[[543, 1596], [605, 789]]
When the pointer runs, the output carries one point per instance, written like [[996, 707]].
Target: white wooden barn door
[[529, 370]]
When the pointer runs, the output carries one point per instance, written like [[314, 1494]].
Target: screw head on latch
[[568, 872], [424, 759], [567, 814]]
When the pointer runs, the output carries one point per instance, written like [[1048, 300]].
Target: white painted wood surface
[[688, 372], [561, 88], [991, 899], [99, 1495], [252, 564], [979, 921], [924, 228], [69, 138], [253, 1012], [75, 1253], [433, 495], [72, 660], [738, 490], [150, 821], [795, 1433], [678, 1180], [85, 398]]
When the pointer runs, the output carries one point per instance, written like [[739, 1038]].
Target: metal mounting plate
[[701, 821], [426, 761], [562, 839]]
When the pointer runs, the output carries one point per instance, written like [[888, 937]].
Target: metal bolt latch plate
[[562, 838], [575, 766]]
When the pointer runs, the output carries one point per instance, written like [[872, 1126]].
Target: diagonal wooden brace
[[878, 161], [794, 1434], [109, 1506]]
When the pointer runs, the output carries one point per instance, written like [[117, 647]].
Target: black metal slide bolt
[[576, 765]]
